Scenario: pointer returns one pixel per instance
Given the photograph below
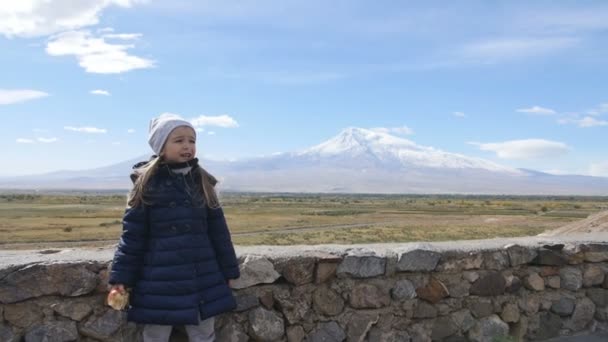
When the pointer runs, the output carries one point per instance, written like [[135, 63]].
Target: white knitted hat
[[161, 127]]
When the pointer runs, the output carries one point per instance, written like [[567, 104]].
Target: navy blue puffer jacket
[[176, 254]]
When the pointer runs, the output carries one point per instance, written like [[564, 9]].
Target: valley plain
[[56, 220]]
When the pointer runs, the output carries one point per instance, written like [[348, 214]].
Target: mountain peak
[[355, 131], [352, 137], [355, 140], [354, 143]]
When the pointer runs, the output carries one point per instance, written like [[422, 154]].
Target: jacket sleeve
[[222, 243], [129, 255]]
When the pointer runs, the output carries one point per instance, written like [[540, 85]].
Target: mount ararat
[[356, 160]]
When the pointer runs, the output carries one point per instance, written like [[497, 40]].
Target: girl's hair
[[143, 174]]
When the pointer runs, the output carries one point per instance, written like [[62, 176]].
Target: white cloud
[[25, 141], [123, 36], [116, 143], [220, 121], [599, 169], [525, 149], [557, 172], [537, 110], [459, 114], [35, 18], [505, 49], [404, 130], [590, 122], [100, 92], [85, 129], [19, 95], [585, 122], [200, 129], [47, 140], [130, 130], [94, 54], [211, 133]]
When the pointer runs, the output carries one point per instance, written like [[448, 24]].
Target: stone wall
[[488, 290]]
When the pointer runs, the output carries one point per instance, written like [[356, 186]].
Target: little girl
[[175, 252]]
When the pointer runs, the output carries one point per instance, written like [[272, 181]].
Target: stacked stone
[[59, 302], [521, 293], [416, 293]]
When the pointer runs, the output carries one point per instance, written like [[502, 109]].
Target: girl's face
[[180, 146]]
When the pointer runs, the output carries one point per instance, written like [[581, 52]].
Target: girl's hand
[[119, 287], [118, 298]]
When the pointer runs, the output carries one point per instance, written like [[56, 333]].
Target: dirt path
[[596, 223]]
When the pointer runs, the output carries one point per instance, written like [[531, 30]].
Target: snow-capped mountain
[[387, 150], [356, 160]]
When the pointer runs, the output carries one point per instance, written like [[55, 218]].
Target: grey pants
[[203, 332]]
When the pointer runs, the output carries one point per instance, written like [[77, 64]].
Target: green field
[[81, 219]]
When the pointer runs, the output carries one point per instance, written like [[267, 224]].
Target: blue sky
[[520, 83]]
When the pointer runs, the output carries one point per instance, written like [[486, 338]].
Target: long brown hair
[[143, 174]]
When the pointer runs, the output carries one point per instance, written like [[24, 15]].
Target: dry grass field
[[81, 219]]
